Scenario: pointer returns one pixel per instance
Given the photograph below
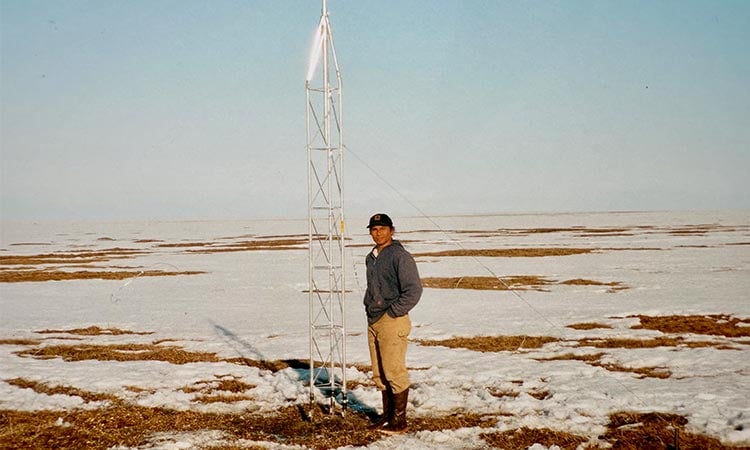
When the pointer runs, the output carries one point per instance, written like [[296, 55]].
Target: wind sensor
[[326, 242]]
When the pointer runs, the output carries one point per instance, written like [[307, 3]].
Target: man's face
[[381, 235]]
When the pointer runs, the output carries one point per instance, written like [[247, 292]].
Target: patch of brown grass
[[517, 282], [44, 388], [185, 244], [571, 357], [119, 352], [299, 237], [690, 230], [95, 331], [578, 230], [539, 394], [625, 431], [643, 372], [491, 343], [79, 257], [636, 431], [222, 398], [525, 437], [236, 447], [529, 252], [216, 390], [659, 341], [19, 342], [451, 422], [274, 365], [588, 326], [486, 283], [138, 389], [715, 324], [614, 286], [233, 385], [595, 361], [500, 393], [255, 245], [120, 424], [129, 425], [18, 276]]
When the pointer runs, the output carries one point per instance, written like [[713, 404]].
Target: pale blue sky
[[196, 109]]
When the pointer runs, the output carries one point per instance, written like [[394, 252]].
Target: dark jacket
[[393, 283]]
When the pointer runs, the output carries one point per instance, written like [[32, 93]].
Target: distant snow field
[[597, 321]]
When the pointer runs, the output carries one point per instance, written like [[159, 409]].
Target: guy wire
[[457, 243], [485, 267]]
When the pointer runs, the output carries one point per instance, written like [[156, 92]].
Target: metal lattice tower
[[325, 181]]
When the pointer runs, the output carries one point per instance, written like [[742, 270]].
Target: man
[[393, 289]]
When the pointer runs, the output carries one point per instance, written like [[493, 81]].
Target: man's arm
[[411, 286]]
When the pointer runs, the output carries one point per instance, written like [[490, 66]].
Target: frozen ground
[[252, 304]]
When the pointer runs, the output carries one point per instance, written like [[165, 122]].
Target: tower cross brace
[[326, 225]]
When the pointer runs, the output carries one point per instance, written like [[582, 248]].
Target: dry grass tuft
[[526, 437], [236, 447], [95, 331], [226, 384], [152, 352], [19, 342], [591, 358], [637, 431], [251, 245], [659, 341], [185, 244], [716, 324], [119, 352], [79, 257], [451, 422], [233, 385], [222, 398], [614, 286], [518, 282], [274, 365], [138, 389], [119, 424], [491, 343], [625, 431], [18, 276], [643, 372], [578, 230], [128, 425], [44, 388], [530, 252], [595, 360], [693, 230], [223, 390], [588, 326], [540, 394], [500, 393], [486, 283]]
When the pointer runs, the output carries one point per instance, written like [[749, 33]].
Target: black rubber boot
[[398, 424], [387, 416]]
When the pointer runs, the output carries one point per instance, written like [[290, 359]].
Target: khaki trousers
[[387, 339]]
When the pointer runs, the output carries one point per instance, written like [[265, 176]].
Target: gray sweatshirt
[[393, 283]]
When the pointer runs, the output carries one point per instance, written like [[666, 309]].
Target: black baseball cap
[[380, 219]]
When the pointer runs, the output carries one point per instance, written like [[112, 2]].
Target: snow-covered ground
[[252, 304]]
